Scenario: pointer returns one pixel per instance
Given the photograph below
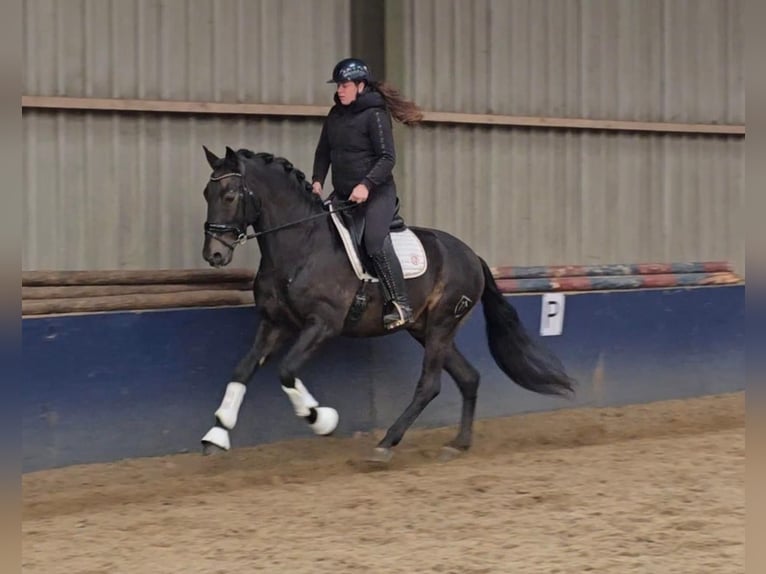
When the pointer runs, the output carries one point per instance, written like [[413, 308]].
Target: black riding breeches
[[378, 214]]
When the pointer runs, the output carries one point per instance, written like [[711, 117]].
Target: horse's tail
[[528, 364]]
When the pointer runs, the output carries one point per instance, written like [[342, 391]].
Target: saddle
[[407, 246]]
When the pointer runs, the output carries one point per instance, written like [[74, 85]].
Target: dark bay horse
[[306, 287]]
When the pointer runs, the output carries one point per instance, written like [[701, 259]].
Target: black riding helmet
[[350, 70]]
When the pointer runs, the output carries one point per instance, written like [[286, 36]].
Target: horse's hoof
[[450, 452], [380, 455], [210, 449], [216, 439]]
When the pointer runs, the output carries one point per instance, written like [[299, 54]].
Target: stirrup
[[399, 317]]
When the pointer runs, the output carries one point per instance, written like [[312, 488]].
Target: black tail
[[528, 364]]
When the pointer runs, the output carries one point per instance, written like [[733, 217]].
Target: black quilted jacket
[[358, 141]]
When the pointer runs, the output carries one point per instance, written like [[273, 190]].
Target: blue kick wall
[[101, 387]]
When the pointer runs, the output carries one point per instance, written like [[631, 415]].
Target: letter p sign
[[552, 314]]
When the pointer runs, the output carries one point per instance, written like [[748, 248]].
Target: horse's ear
[[212, 159], [231, 157]]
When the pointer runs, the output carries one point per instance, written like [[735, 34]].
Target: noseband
[[216, 230]]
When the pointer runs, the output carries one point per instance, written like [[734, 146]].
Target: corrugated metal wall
[[654, 60], [528, 197], [125, 190], [264, 51], [532, 197], [108, 191]]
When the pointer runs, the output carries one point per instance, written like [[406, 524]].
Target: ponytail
[[402, 110]]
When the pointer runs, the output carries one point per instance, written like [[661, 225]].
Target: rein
[[214, 229]]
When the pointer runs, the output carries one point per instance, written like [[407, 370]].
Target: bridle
[[217, 230], [246, 197]]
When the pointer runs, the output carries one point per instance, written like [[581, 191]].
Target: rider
[[357, 138]]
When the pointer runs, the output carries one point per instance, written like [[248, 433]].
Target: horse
[[309, 288]]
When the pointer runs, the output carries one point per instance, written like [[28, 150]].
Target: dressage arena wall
[[141, 381], [555, 131]]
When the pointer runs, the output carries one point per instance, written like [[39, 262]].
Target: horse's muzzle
[[217, 251], [217, 260]]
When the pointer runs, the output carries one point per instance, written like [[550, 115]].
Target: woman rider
[[357, 139]]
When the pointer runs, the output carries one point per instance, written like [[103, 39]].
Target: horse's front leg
[[267, 340], [322, 420]]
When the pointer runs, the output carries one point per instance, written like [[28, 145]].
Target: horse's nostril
[[217, 258]]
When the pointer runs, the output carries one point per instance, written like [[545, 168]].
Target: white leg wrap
[[301, 398], [219, 437], [232, 400], [327, 421]]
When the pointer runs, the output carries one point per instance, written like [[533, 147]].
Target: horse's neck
[[289, 248]]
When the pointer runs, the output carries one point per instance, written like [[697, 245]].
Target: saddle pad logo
[[462, 306]]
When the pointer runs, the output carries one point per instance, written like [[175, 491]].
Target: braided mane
[[273, 162]]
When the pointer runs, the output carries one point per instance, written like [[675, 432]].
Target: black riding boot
[[397, 310]]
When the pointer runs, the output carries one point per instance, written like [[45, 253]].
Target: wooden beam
[[87, 291], [218, 298], [584, 123], [292, 110], [169, 106], [136, 277]]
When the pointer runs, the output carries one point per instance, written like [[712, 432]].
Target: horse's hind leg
[[467, 379], [437, 345], [267, 340]]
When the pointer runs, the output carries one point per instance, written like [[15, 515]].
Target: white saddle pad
[[409, 250]]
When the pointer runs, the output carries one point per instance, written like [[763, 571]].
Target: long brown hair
[[402, 110]]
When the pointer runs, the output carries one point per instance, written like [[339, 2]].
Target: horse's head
[[259, 190], [230, 208]]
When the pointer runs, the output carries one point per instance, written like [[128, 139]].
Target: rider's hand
[[316, 187], [359, 194]]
